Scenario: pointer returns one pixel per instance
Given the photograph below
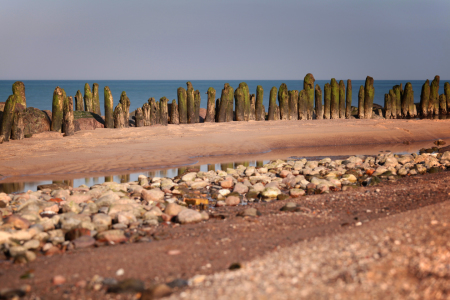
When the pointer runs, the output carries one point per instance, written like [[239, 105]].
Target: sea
[[39, 93]]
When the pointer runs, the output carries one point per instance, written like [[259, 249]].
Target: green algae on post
[[174, 118], [230, 103], [88, 105], [190, 103], [118, 117], [8, 116], [425, 98], [447, 95], [68, 127], [163, 111], [259, 107], [153, 111], [17, 127], [408, 97], [79, 102], [96, 99], [327, 101], [125, 102], [197, 103], [442, 104], [210, 109], [18, 89], [302, 105], [434, 96], [348, 103], [369, 93], [272, 104], [341, 99], [334, 108], [308, 86], [393, 104], [398, 94], [283, 102], [293, 105], [59, 95], [109, 104], [182, 105], [245, 101], [239, 104], [387, 106], [223, 110]]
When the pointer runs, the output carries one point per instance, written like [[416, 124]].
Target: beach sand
[[49, 156]]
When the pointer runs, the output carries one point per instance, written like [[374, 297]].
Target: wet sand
[[112, 151]]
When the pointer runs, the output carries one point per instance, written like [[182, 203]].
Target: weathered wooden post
[[442, 104], [283, 102], [393, 104], [190, 103], [252, 115], [139, 117], [174, 118], [434, 95], [125, 102], [239, 104], [334, 99], [361, 102], [319, 107], [447, 95], [182, 105], [197, 102], [259, 115], [425, 98], [308, 86], [387, 106], [398, 98], [17, 126], [8, 116], [216, 117], [348, 108], [109, 104], [118, 117], [223, 110], [302, 105], [153, 111], [164, 113], [230, 104], [18, 89], [369, 93], [342, 99], [88, 105], [210, 109], [59, 95], [272, 104], [68, 127], [407, 95], [79, 102], [246, 101], [96, 99], [327, 101], [146, 111], [293, 105]]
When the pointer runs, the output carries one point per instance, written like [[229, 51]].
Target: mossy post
[[407, 99], [283, 102], [252, 116], [152, 111], [272, 103], [398, 98], [434, 95], [348, 103], [224, 104], [17, 127], [125, 102], [327, 101], [174, 118], [369, 93], [293, 105], [412, 107], [387, 106], [139, 117], [447, 95], [79, 101], [216, 117], [8, 116], [230, 116], [118, 117], [68, 127], [211, 105], [109, 106], [361, 102], [182, 105], [425, 98], [239, 104], [302, 105], [197, 102], [442, 104], [259, 115], [158, 112], [88, 105], [393, 104], [319, 107], [190, 103], [59, 95], [334, 107], [342, 99], [308, 86], [146, 111], [18, 89], [246, 101], [96, 99], [163, 111]]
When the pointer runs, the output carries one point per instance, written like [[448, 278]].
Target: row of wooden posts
[[306, 104]]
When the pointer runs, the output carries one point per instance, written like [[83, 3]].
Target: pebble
[[58, 280], [189, 216]]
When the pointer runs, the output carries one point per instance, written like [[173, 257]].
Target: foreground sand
[[112, 151]]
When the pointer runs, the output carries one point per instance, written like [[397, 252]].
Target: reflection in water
[[16, 187]]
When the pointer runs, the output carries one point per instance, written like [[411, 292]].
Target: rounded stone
[[189, 216]]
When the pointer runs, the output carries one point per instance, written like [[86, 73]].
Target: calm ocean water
[[39, 93]]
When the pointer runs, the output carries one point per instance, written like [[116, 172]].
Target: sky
[[226, 39]]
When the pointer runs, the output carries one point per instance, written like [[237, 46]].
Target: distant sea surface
[[39, 93]]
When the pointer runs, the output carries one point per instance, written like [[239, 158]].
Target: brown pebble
[[58, 280]]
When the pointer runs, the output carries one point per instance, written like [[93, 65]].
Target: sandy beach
[[112, 151]]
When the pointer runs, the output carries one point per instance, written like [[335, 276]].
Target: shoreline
[[113, 151]]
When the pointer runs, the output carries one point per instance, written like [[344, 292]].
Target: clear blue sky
[[210, 39]]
